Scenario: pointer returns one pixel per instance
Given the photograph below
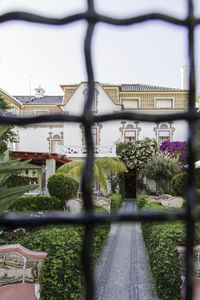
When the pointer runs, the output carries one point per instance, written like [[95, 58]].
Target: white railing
[[80, 151]]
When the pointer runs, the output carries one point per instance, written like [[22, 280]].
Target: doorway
[[130, 184]]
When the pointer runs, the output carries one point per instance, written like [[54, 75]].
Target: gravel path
[[122, 272]]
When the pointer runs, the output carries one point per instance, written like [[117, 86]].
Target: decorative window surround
[[130, 132], [54, 140], [129, 135], [164, 131], [164, 102], [95, 130], [130, 102], [163, 135]]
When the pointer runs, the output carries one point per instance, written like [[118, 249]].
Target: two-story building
[[69, 138]]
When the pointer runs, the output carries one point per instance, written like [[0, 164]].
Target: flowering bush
[[135, 155], [176, 150]]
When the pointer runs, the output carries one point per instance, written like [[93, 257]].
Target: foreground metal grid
[[89, 219]]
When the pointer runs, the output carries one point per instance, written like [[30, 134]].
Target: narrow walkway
[[122, 272]]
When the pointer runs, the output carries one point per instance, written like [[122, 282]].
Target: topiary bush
[[178, 184], [62, 186], [116, 201], [140, 200], [37, 203]]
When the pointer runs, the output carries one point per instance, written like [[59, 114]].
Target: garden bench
[[196, 271], [19, 271]]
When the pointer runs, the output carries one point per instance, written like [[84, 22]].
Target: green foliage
[[136, 154], [178, 184], [162, 168], [62, 186], [8, 195], [61, 275], [118, 184], [116, 201], [18, 180], [9, 135], [162, 240], [37, 203], [102, 166], [140, 200], [61, 272]]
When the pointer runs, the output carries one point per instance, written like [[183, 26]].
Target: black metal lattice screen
[[190, 215]]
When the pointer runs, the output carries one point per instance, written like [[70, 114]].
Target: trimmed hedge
[[162, 240], [37, 203], [116, 201], [61, 273], [140, 200], [62, 186]]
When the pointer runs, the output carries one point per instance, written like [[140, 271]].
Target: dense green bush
[[61, 274], [116, 201], [178, 184], [161, 240], [140, 200], [62, 186], [37, 203]]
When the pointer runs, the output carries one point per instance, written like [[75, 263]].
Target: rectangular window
[[163, 103], [163, 135], [53, 145], [41, 112], [94, 135], [129, 135], [130, 103]]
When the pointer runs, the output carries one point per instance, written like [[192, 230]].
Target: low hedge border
[[116, 201], [140, 200], [37, 203]]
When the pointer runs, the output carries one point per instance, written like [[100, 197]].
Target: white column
[[50, 170]]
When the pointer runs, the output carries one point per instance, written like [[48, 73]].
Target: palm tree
[[102, 166]]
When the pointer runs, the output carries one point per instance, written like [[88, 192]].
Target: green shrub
[[37, 203], [178, 184], [140, 200], [61, 273], [62, 186], [162, 240], [116, 201]]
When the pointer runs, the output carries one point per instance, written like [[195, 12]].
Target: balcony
[[80, 151]]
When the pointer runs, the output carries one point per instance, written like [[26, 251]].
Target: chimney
[[39, 92], [184, 78]]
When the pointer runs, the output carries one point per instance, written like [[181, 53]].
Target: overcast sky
[[149, 53]]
